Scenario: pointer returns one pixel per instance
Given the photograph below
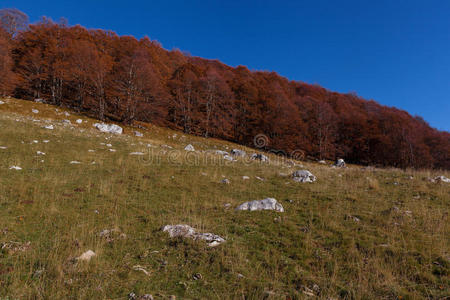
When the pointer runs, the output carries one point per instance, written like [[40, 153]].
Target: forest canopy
[[124, 79]]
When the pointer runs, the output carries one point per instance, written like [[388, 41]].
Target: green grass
[[314, 247]]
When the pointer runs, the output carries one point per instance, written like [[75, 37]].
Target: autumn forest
[[123, 79]]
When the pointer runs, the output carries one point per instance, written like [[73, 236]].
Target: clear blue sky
[[396, 52]]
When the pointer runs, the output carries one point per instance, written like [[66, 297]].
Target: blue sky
[[396, 52]]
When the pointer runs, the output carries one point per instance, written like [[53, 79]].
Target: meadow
[[355, 233]]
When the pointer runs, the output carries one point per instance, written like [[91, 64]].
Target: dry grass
[[355, 234]]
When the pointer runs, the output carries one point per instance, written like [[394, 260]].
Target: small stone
[[86, 256], [35, 111], [79, 121], [189, 148]]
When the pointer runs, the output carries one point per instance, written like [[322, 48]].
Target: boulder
[[340, 163], [189, 148], [237, 152], [187, 231], [109, 128], [265, 204], [442, 179], [303, 176]]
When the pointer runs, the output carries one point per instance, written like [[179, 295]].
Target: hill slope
[[355, 233], [123, 79]]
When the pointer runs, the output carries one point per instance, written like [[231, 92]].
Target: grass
[[353, 234]]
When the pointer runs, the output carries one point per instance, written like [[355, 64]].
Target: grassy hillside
[[353, 234]]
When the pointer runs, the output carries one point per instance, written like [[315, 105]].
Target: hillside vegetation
[[355, 233], [124, 79]]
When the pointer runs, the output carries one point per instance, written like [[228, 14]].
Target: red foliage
[[125, 79]]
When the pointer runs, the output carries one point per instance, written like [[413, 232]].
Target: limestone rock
[[265, 204], [303, 176]]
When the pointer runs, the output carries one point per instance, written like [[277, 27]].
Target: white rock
[[66, 114], [137, 153], [237, 152], [322, 162], [340, 163], [442, 179], [15, 168], [66, 122], [86, 256], [79, 121], [261, 157], [40, 153], [74, 162], [50, 127], [90, 150], [245, 178], [108, 145], [45, 141], [228, 157], [138, 134], [3, 147], [303, 176], [1, 102], [220, 152], [109, 128], [112, 150], [34, 111], [226, 181], [187, 231], [39, 100], [189, 148], [35, 141], [265, 204]]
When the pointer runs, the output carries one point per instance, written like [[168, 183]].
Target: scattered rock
[[353, 218], [187, 231], [112, 150], [50, 127], [189, 148], [237, 152], [1, 102], [109, 128], [3, 147], [86, 256], [67, 122], [140, 268], [90, 150], [138, 134], [340, 163], [245, 178], [259, 178], [137, 153], [228, 157], [442, 179], [79, 121], [14, 247], [220, 152], [197, 276], [258, 156], [322, 162], [265, 204], [74, 162], [15, 168], [35, 111], [39, 100], [303, 176], [40, 153], [225, 181]]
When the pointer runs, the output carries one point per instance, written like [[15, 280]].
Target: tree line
[[124, 79]]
